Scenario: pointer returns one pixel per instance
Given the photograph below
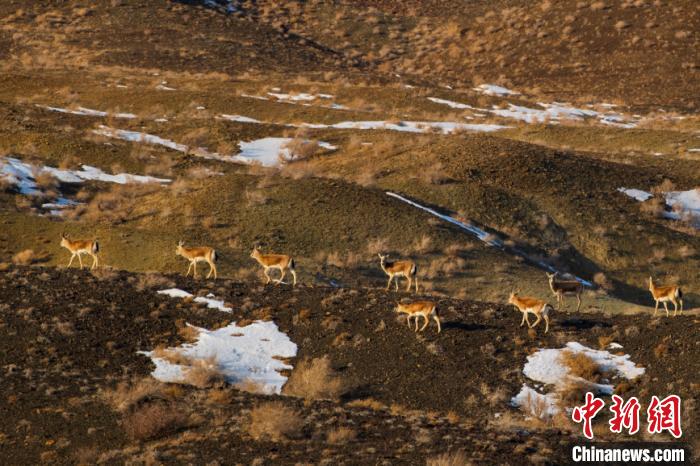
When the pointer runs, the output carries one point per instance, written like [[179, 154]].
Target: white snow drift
[[270, 151], [87, 112], [249, 353], [209, 299], [546, 367], [685, 204]]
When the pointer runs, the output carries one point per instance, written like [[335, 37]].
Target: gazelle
[[533, 306], [562, 288], [397, 269], [199, 254], [424, 309], [275, 261], [664, 294], [80, 247]]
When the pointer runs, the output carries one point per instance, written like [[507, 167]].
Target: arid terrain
[[488, 142]]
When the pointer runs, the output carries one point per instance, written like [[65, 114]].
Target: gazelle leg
[[578, 306], [675, 308], [388, 283], [416, 319], [211, 269], [71, 260], [410, 282], [282, 276], [546, 321], [522, 322], [294, 275], [437, 321], [195, 269], [415, 279], [267, 275], [408, 321], [188, 269], [666, 307], [427, 321], [681, 301], [656, 308], [94, 261], [539, 318], [396, 284], [80, 260]]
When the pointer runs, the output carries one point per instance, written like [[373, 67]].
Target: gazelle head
[[383, 257], [513, 296], [551, 276], [64, 239], [256, 252], [178, 249], [651, 283]]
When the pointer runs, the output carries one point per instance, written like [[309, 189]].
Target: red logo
[[662, 415]]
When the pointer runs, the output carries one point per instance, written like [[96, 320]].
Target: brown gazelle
[[198, 254], [395, 269], [562, 288], [533, 306], [664, 294], [79, 247], [282, 262], [424, 309]]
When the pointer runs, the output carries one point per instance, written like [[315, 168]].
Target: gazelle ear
[[180, 243]]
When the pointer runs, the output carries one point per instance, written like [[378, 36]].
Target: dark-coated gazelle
[[562, 288], [198, 254], [79, 247], [282, 262], [416, 309], [395, 269], [664, 294]]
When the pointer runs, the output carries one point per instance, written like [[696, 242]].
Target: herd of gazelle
[[394, 270]]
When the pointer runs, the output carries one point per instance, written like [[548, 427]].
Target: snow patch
[[685, 204], [492, 89], [443, 127], [269, 151], [239, 118], [546, 366], [240, 354], [210, 300], [637, 194], [136, 136], [449, 103], [87, 112]]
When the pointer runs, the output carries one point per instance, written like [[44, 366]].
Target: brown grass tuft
[[341, 435], [449, 459], [274, 421], [581, 365], [128, 395], [154, 420], [25, 257], [313, 380]]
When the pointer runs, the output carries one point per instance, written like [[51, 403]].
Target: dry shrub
[[104, 273], [604, 341], [154, 420], [654, 206], [204, 373], [313, 380], [274, 421], [449, 459], [581, 365], [128, 395], [423, 245], [25, 257], [251, 386], [370, 403], [341, 435], [147, 281], [377, 245], [301, 149]]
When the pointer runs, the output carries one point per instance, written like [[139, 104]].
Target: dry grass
[[154, 420], [204, 373], [128, 395], [274, 421], [313, 380], [581, 365], [25, 257], [340, 436], [449, 459]]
